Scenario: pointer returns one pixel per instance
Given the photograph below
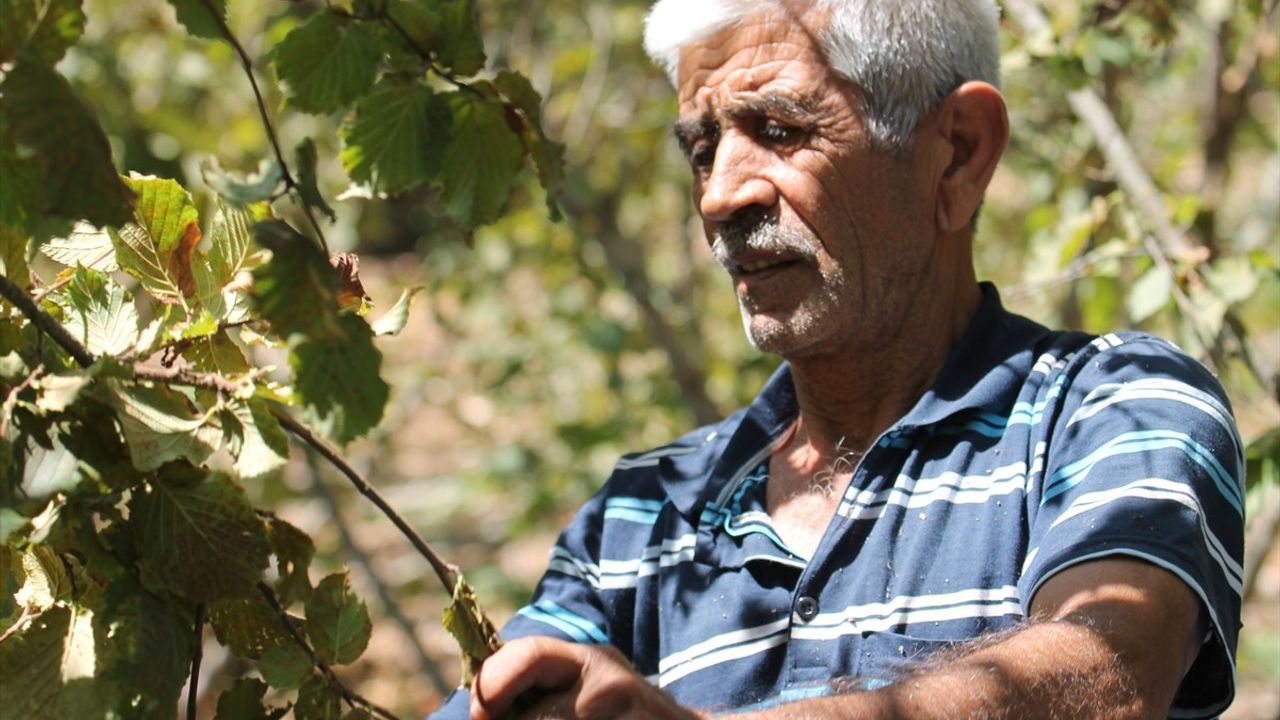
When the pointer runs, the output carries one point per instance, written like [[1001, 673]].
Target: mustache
[[761, 232]]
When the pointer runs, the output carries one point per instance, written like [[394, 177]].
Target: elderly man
[[935, 508]]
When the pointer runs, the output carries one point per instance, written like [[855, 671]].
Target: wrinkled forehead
[[774, 46]]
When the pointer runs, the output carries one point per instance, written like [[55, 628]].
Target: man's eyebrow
[[800, 109]]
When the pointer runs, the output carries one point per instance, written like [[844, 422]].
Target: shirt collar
[[984, 370]]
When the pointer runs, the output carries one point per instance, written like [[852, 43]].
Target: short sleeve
[[1141, 458], [565, 605]]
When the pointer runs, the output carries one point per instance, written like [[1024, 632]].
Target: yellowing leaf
[[471, 628], [157, 246]]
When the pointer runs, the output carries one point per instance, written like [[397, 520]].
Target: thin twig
[[352, 697], [361, 558], [6, 410], [192, 696], [26, 617], [247, 64], [447, 572], [426, 56]]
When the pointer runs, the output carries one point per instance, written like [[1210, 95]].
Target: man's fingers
[[522, 665]]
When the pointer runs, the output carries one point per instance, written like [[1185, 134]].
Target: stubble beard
[[784, 332]]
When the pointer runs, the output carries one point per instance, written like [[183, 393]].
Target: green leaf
[[297, 291], [243, 701], [1150, 292], [247, 627], [202, 542], [398, 138], [456, 40], [337, 621], [101, 316], [86, 245], [160, 425], [318, 700], [13, 251], [77, 176], [1232, 278], [157, 247], [482, 161], [30, 664], [45, 28], [196, 18], [258, 444], [467, 623], [326, 63], [338, 380], [285, 667], [217, 354], [293, 550], [220, 286], [243, 188], [548, 155], [398, 316], [11, 523], [305, 160], [149, 649]]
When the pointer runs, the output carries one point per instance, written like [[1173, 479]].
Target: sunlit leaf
[[59, 391], [202, 542], [338, 380], [157, 246], [100, 316], [471, 628], [160, 425], [240, 188], [86, 245], [482, 162], [258, 443], [77, 176], [398, 137], [326, 63], [397, 317], [337, 621]]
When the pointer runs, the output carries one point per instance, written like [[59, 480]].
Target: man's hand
[[569, 681]]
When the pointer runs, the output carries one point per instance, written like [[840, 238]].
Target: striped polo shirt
[[1033, 451]]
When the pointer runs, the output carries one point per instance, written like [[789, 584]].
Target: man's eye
[[777, 133], [703, 154]]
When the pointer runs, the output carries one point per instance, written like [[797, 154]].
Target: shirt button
[[806, 608]]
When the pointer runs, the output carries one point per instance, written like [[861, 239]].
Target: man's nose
[[736, 181]]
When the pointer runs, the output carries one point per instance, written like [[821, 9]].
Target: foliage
[[133, 428]]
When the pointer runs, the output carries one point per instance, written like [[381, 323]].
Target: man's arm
[[1109, 638]]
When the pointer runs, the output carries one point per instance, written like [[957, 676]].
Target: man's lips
[[755, 262]]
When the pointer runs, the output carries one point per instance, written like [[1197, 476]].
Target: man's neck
[[848, 398]]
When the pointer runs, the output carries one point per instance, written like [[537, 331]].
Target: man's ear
[[974, 127]]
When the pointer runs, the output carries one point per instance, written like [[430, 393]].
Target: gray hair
[[904, 56]]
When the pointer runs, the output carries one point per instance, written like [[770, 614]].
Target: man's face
[[823, 236]]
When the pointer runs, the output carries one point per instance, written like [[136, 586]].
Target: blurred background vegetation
[[541, 351]]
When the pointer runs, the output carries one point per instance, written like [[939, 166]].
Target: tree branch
[[44, 322], [247, 64], [446, 572], [352, 697], [389, 605], [193, 690]]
